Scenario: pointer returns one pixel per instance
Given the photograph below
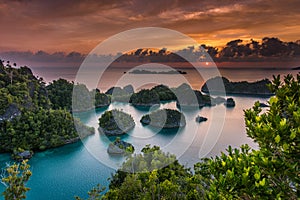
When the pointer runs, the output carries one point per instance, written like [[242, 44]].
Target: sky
[[67, 26]]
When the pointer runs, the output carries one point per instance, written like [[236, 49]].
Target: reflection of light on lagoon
[[174, 141]]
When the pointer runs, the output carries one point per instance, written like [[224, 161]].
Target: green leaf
[[273, 100], [257, 176], [282, 122], [285, 146], [293, 134], [262, 182], [223, 163], [277, 139]]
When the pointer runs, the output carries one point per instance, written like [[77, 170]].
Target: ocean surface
[[74, 169]]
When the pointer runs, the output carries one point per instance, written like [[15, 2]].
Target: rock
[[201, 119], [129, 89], [189, 98], [296, 68], [115, 122], [115, 132], [22, 155], [229, 102], [119, 147], [263, 105], [164, 118], [25, 154], [11, 112], [218, 100], [145, 98], [258, 88], [118, 91]]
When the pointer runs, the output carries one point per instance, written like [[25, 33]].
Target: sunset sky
[[80, 25]]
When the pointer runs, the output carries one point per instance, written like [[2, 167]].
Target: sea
[[62, 173]]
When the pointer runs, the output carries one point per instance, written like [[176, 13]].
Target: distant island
[[156, 72], [259, 88], [164, 118], [296, 68], [115, 122]]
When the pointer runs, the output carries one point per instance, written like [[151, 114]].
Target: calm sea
[[73, 169]]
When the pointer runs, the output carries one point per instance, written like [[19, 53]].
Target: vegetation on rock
[[27, 122], [60, 94], [243, 87], [187, 97], [229, 102], [164, 118], [120, 94], [164, 93], [115, 122], [120, 147], [20, 89], [145, 97], [39, 130]]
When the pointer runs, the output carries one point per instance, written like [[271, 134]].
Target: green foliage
[[101, 99], [235, 175], [94, 194], [277, 132], [26, 121], [145, 97], [5, 100], [20, 87], [60, 94], [38, 130], [120, 147], [243, 87], [164, 93], [164, 118], [157, 175], [116, 120], [15, 179], [272, 172]]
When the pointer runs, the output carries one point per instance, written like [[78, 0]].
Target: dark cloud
[[80, 25]]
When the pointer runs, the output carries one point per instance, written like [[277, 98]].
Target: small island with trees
[[164, 118], [258, 88], [119, 147], [144, 98], [229, 103], [115, 122]]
